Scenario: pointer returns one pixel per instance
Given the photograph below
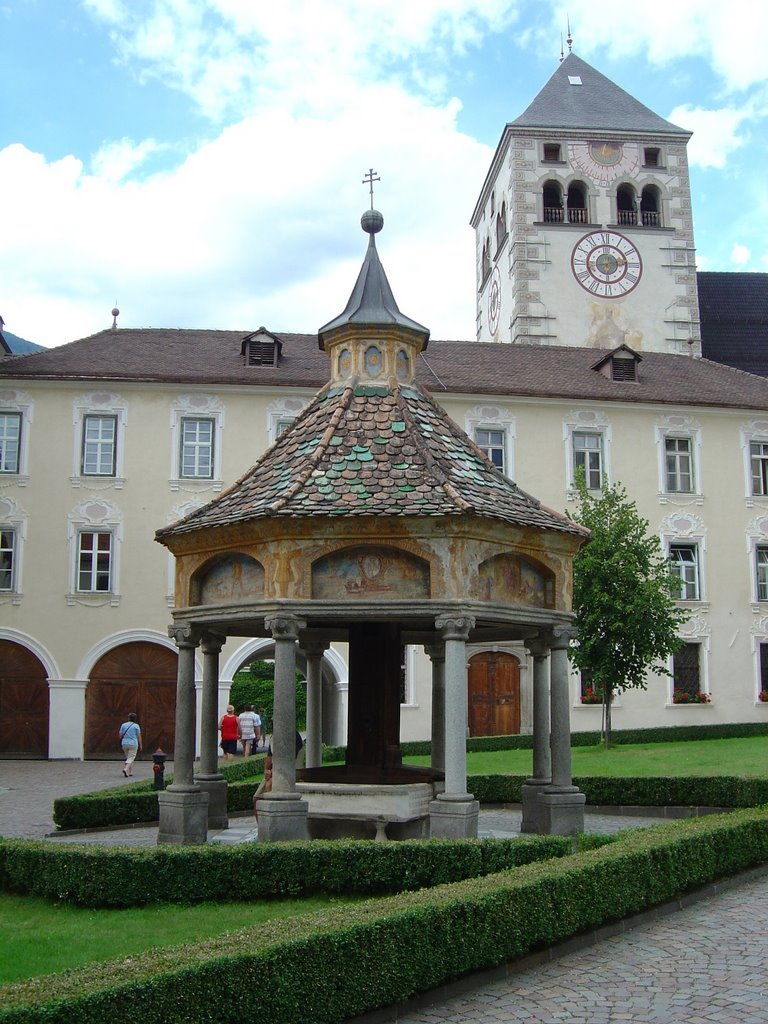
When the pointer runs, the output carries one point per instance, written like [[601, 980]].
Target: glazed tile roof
[[369, 450]]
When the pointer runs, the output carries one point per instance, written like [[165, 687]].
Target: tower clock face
[[494, 300], [606, 264], [603, 162]]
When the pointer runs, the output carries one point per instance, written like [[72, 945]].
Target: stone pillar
[[283, 814], [314, 651], [454, 814], [542, 761], [209, 778], [184, 806], [562, 805], [436, 654]]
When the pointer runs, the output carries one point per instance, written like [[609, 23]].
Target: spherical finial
[[115, 311], [372, 222]]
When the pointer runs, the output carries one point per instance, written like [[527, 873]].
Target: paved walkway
[[706, 964]]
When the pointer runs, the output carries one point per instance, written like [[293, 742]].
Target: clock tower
[[583, 227]]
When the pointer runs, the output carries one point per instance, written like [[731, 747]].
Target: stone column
[[436, 653], [454, 813], [209, 778], [562, 805], [183, 806], [314, 651], [542, 761], [283, 814]]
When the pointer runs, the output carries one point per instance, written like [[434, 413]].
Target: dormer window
[[619, 365], [261, 348]]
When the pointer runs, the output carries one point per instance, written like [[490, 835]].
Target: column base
[[282, 817], [530, 793], [454, 818], [183, 816], [562, 812], [216, 788]]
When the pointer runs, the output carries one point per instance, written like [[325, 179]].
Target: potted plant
[[684, 697], [763, 696], [592, 696]]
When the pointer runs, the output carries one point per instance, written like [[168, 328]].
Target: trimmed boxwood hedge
[[130, 804], [331, 966], [107, 876]]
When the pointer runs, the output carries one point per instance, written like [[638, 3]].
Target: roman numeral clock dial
[[606, 264]]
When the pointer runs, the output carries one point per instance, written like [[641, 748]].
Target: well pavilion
[[373, 520]]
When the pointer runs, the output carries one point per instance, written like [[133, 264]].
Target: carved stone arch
[[512, 578], [370, 572], [227, 578]]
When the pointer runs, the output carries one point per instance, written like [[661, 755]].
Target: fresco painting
[[513, 580], [235, 578], [370, 572]]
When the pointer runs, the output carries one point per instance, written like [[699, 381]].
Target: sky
[[200, 163]]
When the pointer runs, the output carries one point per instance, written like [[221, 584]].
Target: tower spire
[[569, 37]]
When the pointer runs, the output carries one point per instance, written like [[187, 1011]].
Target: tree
[[256, 685], [623, 597]]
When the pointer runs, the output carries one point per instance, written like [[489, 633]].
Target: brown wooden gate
[[140, 677], [494, 694], [24, 703]]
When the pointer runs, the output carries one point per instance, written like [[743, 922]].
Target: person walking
[[130, 741], [248, 722], [230, 731]]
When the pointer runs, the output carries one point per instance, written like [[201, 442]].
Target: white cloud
[[116, 160], [715, 133], [740, 255]]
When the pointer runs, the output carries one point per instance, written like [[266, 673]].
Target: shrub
[[331, 966]]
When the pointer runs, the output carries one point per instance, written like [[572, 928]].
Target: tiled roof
[[734, 319], [369, 450], [597, 103], [213, 358]]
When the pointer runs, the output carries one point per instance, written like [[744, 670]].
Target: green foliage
[[392, 948], [623, 596], [111, 876], [256, 685]]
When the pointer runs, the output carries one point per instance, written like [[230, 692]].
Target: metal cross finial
[[369, 179], [569, 37]]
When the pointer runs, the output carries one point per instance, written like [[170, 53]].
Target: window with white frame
[[684, 563], [10, 442], [196, 459], [281, 414], [7, 558], [678, 465], [99, 446], [282, 425], [758, 457], [588, 457], [94, 561], [493, 444], [761, 571]]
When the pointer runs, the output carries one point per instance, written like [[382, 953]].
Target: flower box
[[683, 697]]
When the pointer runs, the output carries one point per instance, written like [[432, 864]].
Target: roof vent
[[620, 364], [262, 348], [623, 368]]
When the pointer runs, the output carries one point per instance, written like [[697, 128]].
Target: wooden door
[[494, 694], [24, 703], [138, 677]]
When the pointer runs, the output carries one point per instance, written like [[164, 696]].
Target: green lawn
[[38, 937], [745, 757]]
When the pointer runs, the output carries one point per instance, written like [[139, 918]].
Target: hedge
[[138, 802], [336, 964], [106, 876]]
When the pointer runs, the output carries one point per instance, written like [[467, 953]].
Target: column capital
[[455, 627], [558, 637], [435, 651], [314, 648], [537, 646], [211, 643], [184, 636], [284, 627]]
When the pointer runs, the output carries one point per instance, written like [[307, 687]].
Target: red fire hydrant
[[159, 768]]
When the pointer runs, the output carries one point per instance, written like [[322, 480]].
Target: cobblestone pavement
[[707, 964]]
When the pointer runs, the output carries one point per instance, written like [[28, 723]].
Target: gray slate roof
[[597, 104], [370, 450], [213, 358], [734, 319]]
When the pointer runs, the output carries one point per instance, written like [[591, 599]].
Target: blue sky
[[200, 162]]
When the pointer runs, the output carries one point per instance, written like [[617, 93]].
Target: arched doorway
[[494, 694], [24, 703], [138, 676]]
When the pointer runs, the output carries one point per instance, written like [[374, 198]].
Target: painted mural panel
[[234, 578], [510, 579], [370, 573]]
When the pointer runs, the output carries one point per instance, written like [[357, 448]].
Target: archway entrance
[[140, 677], [494, 694], [24, 703]]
